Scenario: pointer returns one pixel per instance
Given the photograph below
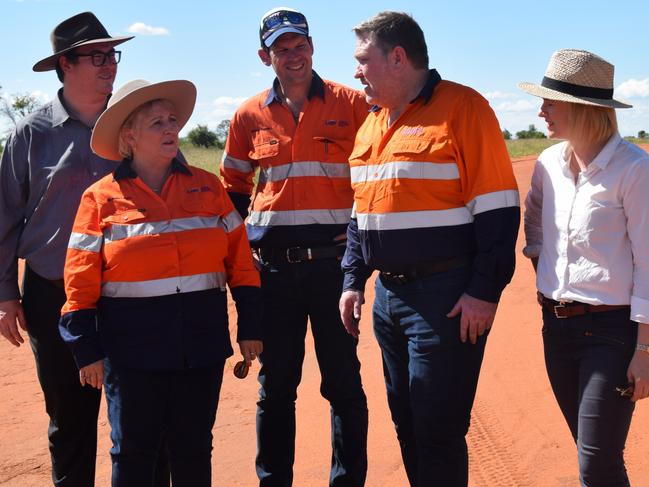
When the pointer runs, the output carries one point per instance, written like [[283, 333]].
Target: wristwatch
[[642, 347]]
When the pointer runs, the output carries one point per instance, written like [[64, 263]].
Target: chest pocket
[[201, 203], [332, 150], [411, 150], [265, 146]]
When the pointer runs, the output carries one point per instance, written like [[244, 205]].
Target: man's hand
[[250, 350], [477, 316], [350, 310], [93, 374], [11, 312]]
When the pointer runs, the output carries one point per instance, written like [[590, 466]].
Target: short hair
[[71, 58], [124, 148], [589, 123], [391, 29]]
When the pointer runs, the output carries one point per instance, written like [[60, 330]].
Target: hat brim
[[49, 63], [284, 30], [105, 136], [550, 94]]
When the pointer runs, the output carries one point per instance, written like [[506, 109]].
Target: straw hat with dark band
[[80, 30], [577, 77], [105, 135]]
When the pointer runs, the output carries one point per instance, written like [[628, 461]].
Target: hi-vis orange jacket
[[437, 184], [145, 275], [304, 196]]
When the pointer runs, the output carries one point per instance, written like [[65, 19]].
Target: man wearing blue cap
[[299, 133]]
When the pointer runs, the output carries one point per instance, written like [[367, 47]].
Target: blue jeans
[[153, 409], [430, 375], [292, 295], [587, 358]]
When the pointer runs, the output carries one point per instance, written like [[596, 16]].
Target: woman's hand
[[638, 375], [250, 350], [93, 374]]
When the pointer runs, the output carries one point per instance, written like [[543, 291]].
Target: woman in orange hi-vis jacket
[[153, 246]]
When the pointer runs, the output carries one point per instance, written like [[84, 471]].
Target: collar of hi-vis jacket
[[316, 89], [125, 170], [426, 92]]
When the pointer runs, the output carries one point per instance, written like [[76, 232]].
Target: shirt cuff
[[532, 251], [639, 309]]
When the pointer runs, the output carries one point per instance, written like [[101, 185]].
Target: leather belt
[[425, 269], [575, 308], [293, 255]]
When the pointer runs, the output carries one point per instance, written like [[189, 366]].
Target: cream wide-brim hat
[[578, 77], [105, 136]]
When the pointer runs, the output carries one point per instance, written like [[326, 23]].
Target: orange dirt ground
[[517, 438]]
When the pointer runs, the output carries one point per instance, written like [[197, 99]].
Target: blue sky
[[489, 46]]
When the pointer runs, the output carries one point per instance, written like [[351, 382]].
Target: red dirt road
[[517, 438]]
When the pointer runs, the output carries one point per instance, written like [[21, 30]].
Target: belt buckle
[[295, 249], [557, 310]]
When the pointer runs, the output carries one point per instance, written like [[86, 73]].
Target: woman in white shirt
[[587, 232]]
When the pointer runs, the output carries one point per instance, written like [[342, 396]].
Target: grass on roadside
[[528, 147], [208, 159]]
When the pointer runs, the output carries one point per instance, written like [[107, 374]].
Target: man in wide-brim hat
[[46, 165]]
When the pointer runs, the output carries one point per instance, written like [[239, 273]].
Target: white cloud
[[147, 30], [40, 96], [255, 74], [633, 88], [516, 106], [225, 106], [499, 95]]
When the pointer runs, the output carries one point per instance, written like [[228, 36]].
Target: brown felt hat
[[80, 30], [105, 136], [578, 77]]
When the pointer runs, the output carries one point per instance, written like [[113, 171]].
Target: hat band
[[577, 90]]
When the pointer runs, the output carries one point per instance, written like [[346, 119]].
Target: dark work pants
[[149, 408], [430, 375], [293, 294], [587, 359], [72, 409]]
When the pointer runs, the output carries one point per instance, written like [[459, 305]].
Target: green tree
[[507, 135], [530, 133], [222, 131], [18, 106], [643, 135], [201, 136]]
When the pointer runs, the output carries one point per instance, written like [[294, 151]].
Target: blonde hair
[[591, 124], [124, 148]]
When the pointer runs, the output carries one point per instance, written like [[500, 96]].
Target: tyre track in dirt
[[493, 460]]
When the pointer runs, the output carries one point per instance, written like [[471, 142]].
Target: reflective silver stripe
[[240, 165], [493, 201], [354, 210], [163, 287], [119, 232], [405, 170], [303, 169], [299, 217], [414, 219], [81, 241], [231, 221]]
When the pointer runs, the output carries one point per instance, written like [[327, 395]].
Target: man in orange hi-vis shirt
[[437, 213], [299, 134]]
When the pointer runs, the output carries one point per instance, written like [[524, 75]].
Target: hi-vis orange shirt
[[304, 196], [436, 184], [153, 269]]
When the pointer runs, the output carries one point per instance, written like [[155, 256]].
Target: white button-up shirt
[[592, 235]]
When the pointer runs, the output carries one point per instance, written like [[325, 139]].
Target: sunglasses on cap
[[282, 18]]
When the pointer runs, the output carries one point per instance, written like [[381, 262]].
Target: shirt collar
[[124, 170], [59, 111], [606, 154], [316, 89], [426, 92], [601, 160]]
